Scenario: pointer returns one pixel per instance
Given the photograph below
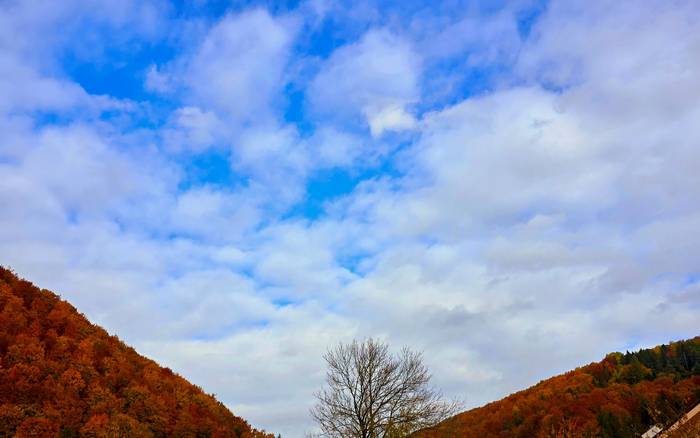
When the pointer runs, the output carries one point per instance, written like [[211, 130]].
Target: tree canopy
[[371, 393], [62, 376], [619, 397]]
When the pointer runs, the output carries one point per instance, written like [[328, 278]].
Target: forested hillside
[[618, 397], [61, 376]]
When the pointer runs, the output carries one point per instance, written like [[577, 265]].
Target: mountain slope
[[61, 376], [620, 396]]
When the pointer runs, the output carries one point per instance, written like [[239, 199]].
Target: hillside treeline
[[61, 376], [618, 397]]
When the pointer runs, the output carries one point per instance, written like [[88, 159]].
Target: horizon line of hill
[[62, 376]]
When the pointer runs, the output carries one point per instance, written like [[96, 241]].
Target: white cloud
[[333, 148], [265, 374], [232, 83], [193, 129], [238, 69], [524, 232], [605, 49], [24, 26], [389, 118], [24, 88], [376, 77], [211, 214], [299, 262], [158, 81], [477, 39]]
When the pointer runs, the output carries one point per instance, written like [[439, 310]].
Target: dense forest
[[61, 376], [618, 397]]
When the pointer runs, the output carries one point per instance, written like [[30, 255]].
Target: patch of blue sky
[[210, 8], [119, 71], [356, 263], [324, 186], [214, 9], [72, 216], [325, 36], [211, 168], [283, 302], [294, 111], [328, 185], [527, 17], [692, 279], [463, 82]]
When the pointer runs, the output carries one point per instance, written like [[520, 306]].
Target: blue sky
[[231, 187]]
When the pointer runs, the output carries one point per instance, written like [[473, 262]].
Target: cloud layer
[[512, 190]]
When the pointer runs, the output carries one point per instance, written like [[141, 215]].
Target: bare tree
[[372, 393]]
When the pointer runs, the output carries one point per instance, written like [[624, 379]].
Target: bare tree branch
[[371, 393]]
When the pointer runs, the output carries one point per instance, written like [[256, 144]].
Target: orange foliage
[[62, 376], [619, 397]]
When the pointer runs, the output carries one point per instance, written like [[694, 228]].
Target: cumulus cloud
[[192, 129], [389, 118], [479, 40], [512, 236], [375, 78], [25, 88], [237, 69], [213, 214], [239, 64]]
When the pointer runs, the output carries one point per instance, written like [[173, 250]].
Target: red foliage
[[37, 428], [621, 396], [60, 375]]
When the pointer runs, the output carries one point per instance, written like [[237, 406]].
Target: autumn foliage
[[619, 397], [61, 376]]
